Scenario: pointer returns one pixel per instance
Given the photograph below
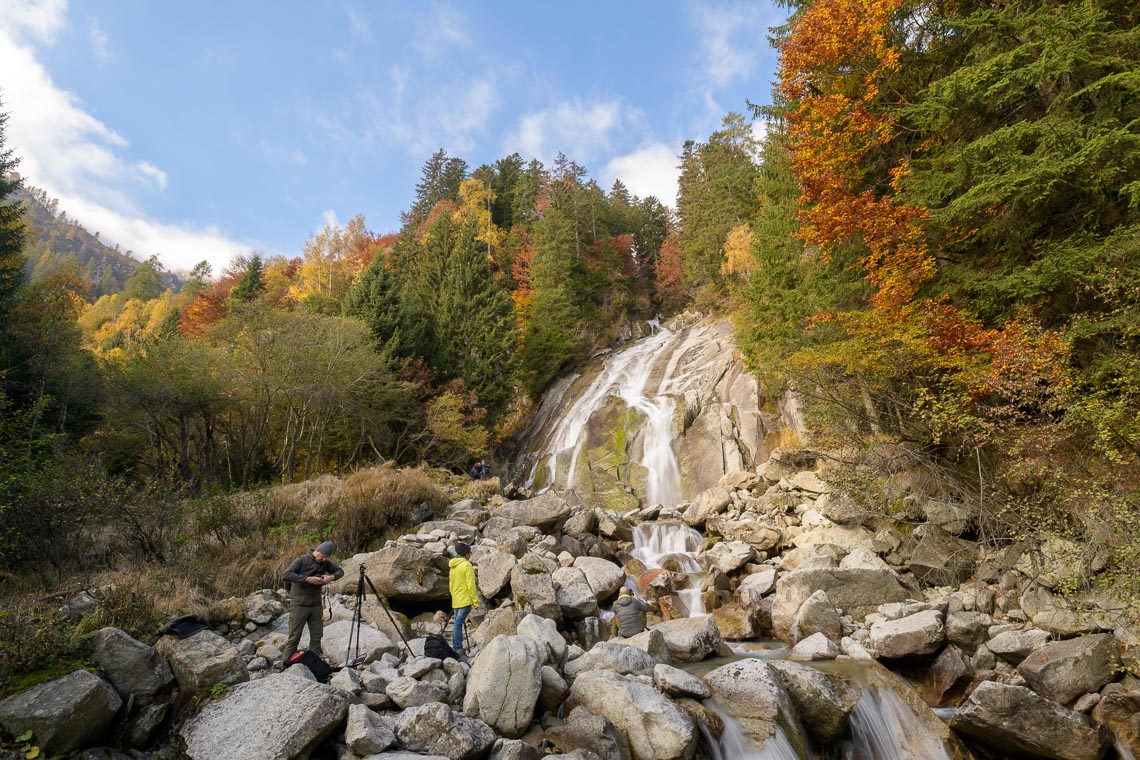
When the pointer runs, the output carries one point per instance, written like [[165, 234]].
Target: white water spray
[[653, 542]]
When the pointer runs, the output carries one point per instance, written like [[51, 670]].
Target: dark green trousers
[[298, 618]]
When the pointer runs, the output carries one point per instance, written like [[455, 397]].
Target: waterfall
[[624, 374], [654, 543], [734, 744], [882, 726]]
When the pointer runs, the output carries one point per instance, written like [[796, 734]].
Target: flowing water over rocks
[[755, 542]]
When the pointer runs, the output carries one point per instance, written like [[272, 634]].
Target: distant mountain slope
[[55, 239]]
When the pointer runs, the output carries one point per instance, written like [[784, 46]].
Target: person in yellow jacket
[[464, 595]]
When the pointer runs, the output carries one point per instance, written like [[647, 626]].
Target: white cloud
[[329, 217], [99, 40], [358, 24], [42, 20], [77, 158], [578, 129], [732, 39], [649, 170], [443, 29]]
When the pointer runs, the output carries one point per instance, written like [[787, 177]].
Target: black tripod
[[355, 630]]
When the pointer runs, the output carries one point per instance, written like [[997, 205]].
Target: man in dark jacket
[[306, 575], [628, 615]]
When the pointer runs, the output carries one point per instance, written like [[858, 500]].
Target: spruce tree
[[12, 229]]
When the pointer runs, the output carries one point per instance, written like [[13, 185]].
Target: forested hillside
[[54, 241]]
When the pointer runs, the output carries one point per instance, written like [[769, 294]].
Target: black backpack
[[320, 669], [436, 646]]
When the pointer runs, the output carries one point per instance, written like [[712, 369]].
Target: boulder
[[1054, 614], [545, 632], [951, 517], [554, 688], [505, 683], [463, 531], [655, 727], [948, 677], [407, 692], [940, 559], [390, 622], [132, 667], [547, 512], [533, 588], [759, 534], [1058, 563], [575, 596], [436, 729], [690, 639], [1016, 721], [585, 732], [674, 682], [817, 615], [911, 636], [813, 648], [755, 586], [263, 607], [370, 642], [823, 701], [736, 623], [708, 503], [400, 572], [203, 659], [1121, 712], [63, 714], [365, 733], [1015, 646], [604, 577], [492, 569], [728, 556], [856, 592], [1064, 670], [612, 656], [864, 558], [280, 716], [758, 699], [965, 629]]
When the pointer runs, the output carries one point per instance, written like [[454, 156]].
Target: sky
[[197, 131]]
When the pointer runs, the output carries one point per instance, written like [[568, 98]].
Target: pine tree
[[252, 282], [12, 230], [439, 181]]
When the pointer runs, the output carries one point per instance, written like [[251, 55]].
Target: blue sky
[[200, 130]]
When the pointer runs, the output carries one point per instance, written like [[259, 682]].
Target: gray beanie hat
[[326, 547]]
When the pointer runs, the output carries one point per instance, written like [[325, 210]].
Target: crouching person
[[629, 615], [305, 576]]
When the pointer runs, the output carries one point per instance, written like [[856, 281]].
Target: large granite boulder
[[1015, 646], [1016, 721], [400, 572], [547, 512], [674, 682], [737, 623], [855, 591], [912, 636], [575, 596], [690, 639], [366, 640], [757, 696], [1064, 670], [655, 726], [817, 615], [545, 632], [132, 667], [823, 701], [605, 577], [462, 531], [407, 692], [436, 729], [532, 587], [203, 659], [365, 733], [728, 556], [492, 569], [263, 607], [708, 503], [584, 731], [940, 559], [1120, 711], [612, 656], [280, 716], [64, 714], [505, 683]]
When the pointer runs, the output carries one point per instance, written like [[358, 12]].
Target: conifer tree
[[12, 230], [252, 282]]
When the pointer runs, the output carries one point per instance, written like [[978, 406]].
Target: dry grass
[[480, 490]]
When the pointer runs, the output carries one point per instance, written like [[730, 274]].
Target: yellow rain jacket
[[461, 580]]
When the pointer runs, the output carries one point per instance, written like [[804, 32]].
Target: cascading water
[[624, 374], [656, 543]]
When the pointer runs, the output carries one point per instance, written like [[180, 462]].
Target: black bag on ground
[[436, 646], [320, 669], [184, 626]]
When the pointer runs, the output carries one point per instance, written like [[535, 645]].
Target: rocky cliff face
[[658, 420]]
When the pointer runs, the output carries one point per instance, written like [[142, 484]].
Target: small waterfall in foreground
[[672, 546], [624, 374], [882, 727]]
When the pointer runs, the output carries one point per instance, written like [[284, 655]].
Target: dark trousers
[[298, 618]]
